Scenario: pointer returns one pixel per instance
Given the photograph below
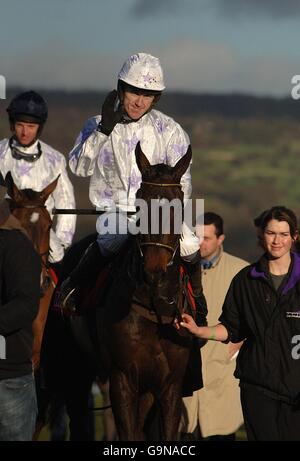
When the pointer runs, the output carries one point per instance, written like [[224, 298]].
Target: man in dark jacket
[[20, 269]]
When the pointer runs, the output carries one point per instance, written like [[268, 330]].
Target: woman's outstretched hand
[[215, 333], [189, 324]]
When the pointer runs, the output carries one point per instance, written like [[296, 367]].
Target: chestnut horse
[[148, 356], [29, 208]]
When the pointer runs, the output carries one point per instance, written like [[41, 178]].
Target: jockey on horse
[[34, 165], [105, 150]]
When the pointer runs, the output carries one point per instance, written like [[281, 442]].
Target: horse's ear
[[12, 189], [141, 159], [2, 181], [44, 194], [183, 164]]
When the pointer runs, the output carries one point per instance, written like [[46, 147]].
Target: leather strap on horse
[[53, 275], [187, 289]]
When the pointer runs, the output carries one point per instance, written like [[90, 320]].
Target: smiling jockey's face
[[137, 104]]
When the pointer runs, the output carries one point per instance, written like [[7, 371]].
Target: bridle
[[36, 221], [32, 206], [161, 184], [172, 249]]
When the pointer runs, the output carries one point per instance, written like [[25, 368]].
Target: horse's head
[[160, 188], [28, 206]]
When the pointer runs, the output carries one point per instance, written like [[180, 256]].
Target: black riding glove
[[110, 115]]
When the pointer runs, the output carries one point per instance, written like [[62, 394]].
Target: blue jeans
[[18, 408]]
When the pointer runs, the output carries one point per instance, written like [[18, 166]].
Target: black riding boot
[[89, 266], [193, 269]]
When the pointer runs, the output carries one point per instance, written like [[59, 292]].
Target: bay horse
[[28, 206], [130, 336], [147, 355]]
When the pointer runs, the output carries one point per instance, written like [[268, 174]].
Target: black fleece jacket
[[20, 270], [269, 322]]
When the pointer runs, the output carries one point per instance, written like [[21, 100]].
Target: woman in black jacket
[[262, 307]]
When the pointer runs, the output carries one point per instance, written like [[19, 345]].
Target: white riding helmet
[[143, 71]]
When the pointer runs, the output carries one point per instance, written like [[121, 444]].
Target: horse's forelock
[[30, 194], [159, 172]]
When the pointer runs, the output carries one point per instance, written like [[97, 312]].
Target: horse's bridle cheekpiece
[[162, 245]]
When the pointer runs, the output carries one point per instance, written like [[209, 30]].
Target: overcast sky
[[204, 45]]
